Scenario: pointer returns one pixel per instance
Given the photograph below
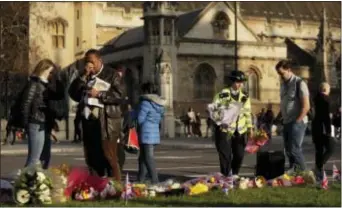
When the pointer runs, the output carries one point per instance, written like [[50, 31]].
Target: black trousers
[[231, 151], [92, 144], [324, 146]]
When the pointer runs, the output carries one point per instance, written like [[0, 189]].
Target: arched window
[[252, 86], [204, 82], [58, 32], [220, 25]]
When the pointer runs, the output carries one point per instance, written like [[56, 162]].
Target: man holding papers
[[100, 92]]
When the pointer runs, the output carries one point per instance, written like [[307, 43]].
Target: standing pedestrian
[[151, 111], [321, 126], [101, 126], [34, 109], [231, 140], [197, 125], [260, 118], [192, 122], [294, 105]]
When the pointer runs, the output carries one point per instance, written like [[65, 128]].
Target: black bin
[[270, 164]]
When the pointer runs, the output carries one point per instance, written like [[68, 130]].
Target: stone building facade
[[199, 47], [194, 44]]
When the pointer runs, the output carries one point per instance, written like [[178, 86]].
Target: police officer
[[231, 140]]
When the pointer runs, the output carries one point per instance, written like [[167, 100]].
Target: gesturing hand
[[93, 93]]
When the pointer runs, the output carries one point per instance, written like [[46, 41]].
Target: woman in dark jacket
[[321, 127], [150, 114], [34, 109]]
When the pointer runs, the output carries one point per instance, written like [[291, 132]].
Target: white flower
[[22, 196], [40, 177], [45, 199], [43, 187], [45, 192], [64, 180]]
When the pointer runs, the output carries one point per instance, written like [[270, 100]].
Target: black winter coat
[[321, 124]]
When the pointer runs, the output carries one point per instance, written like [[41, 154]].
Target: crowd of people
[[105, 116]]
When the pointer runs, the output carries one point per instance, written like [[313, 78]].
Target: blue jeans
[[39, 146], [293, 134], [147, 163]]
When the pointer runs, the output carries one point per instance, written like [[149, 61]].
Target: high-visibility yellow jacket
[[244, 121]]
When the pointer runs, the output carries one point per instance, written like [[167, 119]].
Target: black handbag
[[270, 164]]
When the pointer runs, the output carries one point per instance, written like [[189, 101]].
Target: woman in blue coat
[[151, 111]]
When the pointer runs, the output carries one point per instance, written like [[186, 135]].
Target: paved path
[[180, 163], [64, 146]]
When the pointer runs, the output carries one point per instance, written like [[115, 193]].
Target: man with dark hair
[[294, 106], [101, 125]]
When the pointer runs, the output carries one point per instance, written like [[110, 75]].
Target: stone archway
[[204, 81]]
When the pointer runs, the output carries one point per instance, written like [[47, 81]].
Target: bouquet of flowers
[[32, 186], [222, 114], [59, 180], [85, 192], [259, 140]]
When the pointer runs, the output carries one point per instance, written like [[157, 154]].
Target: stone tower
[[160, 61]]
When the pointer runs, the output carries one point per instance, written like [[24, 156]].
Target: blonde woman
[[33, 108]]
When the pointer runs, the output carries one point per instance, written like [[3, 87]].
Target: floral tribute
[[259, 140], [32, 186]]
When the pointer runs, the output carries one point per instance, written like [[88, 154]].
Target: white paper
[[99, 85], [224, 114]]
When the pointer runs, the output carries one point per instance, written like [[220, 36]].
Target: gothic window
[[58, 34], [154, 27], [252, 85], [204, 82], [220, 25], [167, 27]]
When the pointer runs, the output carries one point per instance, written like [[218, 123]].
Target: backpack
[[311, 112]]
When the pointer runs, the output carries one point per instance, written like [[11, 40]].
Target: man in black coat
[[321, 129], [101, 126]]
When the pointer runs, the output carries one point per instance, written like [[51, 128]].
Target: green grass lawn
[[279, 197], [299, 196]]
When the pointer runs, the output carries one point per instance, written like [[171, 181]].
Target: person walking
[[101, 125], [294, 106], [322, 132], [231, 140], [34, 111], [150, 114]]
